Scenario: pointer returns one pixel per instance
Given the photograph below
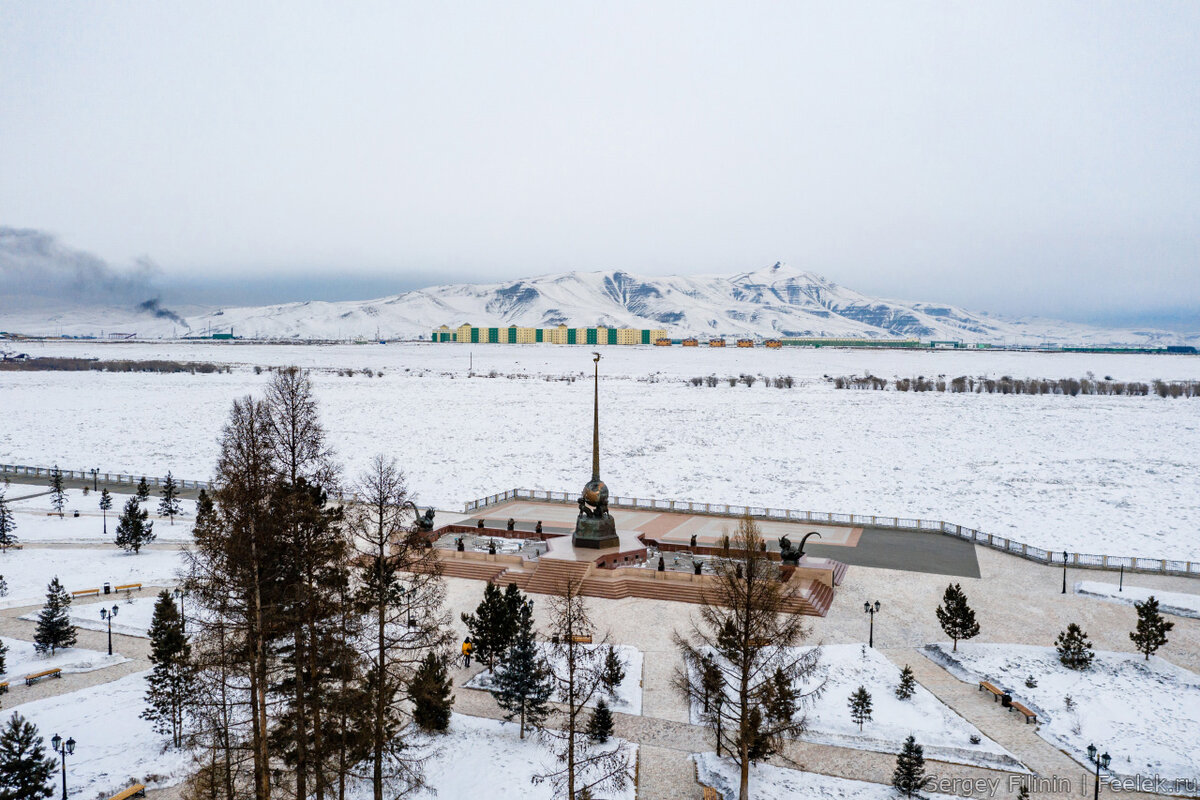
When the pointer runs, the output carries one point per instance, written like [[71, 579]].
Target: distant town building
[[561, 334]]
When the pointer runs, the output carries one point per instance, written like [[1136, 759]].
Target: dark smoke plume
[[36, 269]]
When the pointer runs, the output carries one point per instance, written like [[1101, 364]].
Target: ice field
[[1112, 475]]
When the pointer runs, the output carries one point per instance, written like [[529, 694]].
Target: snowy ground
[[133, 614], [776, 783], [36, 522], [1093, 474], [27, 571], [628, 699], [1178, 603], [945, 735], [22, 660], [484, 758], [1145, 713], [114, 746]]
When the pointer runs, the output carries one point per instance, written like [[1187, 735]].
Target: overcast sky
[[1038, 157]]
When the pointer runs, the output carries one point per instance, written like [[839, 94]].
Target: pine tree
[[522, 681], [908, 683], [910, 768], [1152, 629], [58, 494], [3, 587], [3, 658], [494, 622], [7, 525], [1023, 792], [133, 529], [54, 628], [956, 617], [779, 698], [613, 671], [711, 681], [1074, 649], [26, 772], [170, 683], [169, 506], [105, 505], [432, 694], [205, 513], [143, 490], [600, 726], [860, 706]]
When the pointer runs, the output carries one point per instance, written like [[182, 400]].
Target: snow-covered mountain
[[773, 301]]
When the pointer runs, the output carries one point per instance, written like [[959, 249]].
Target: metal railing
[[1160, 566], [43, 473]]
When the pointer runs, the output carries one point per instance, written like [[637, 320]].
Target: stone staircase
[[472, 570], [549, 575]]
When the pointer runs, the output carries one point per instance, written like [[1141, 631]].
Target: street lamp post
[[105, 614], [1100, 761], [95, 477], [64, 749], [871, 609], [1065, 555], [179, 595]]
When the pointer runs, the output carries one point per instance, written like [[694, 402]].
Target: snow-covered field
[[22, 659], [777, 783], [27, 571], [1093, 474], [37, 522], [1178, 603], [1145, 713], [845, 667], [628, 696], [133, 614], [484, 758], [114, 746]]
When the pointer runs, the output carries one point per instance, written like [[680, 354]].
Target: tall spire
[[596, 423]]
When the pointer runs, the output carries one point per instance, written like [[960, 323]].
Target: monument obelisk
[[595, 527]]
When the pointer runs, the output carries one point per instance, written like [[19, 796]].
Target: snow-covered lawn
[[484, 758], [133, 614], [628, 699], [1145, 713], [27, 571], [944, 734], [1178, 603], [777, 783], [114, 746], [36, 522], [22, 660], [1091, 474]]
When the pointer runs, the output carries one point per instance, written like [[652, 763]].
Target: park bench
[[759, 642], [86, 593], [995, 690], [33, 678], [128, 587], [711, 794], [4, 687], [137, 790], [582, 639], [1029, 715]]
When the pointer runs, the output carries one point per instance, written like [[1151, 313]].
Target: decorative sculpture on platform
[[425, 523], [595, 527], [792, 555]]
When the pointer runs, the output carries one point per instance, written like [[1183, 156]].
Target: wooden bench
[[4, 687], [137, 790], [711, 794], [996, 691], [585, 639], [128, 587], [86, 593], [1029, 715], [759, 642], [30, 680]]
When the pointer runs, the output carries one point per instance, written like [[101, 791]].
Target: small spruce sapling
[[432, 694], [600, 726], [7, 525], [133, 529], [105, 505], [909, 776], [860, 706], [907, 685], [1074, 649], [613, 671], [58, 494], [1152, 629], [143, 490], [169, 506], [26, 771], [54, 629], [956, 617]]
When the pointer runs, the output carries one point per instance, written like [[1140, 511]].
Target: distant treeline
[[1008, 385], [124, 365], [781, 382]]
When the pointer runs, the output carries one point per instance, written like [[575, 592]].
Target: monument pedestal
[[597, 533]]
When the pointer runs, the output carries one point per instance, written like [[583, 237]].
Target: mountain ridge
[[774, 301]]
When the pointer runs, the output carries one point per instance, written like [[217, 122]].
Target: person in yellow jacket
[[467, 647]]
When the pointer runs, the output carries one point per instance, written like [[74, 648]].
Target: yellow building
[[561, 334]]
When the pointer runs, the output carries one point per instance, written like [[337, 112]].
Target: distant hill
[[773, 301]]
